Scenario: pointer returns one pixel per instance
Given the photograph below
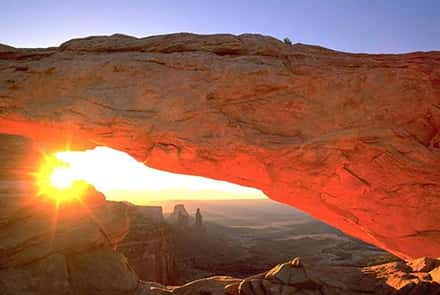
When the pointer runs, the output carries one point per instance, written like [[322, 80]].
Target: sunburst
[[57, 181]]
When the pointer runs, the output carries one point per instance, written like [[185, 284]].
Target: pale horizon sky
[[372, 26], [121, 178]]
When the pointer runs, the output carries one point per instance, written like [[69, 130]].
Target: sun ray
[[54, 222], [64, 188], [56, 180]]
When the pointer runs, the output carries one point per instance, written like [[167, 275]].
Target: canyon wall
[[352, 139], [69, 249], [153, 214], [149, 246], [66, 249]]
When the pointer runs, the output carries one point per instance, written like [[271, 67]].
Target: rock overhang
[[352, 139]]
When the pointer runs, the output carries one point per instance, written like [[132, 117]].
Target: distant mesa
[[180, 216], [182, 219]]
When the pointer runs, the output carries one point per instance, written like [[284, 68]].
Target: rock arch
[[352, 139]]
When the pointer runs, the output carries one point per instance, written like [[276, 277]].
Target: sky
[[372, 26], [121, 178]]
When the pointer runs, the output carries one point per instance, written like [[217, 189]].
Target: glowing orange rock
[[352, 139]]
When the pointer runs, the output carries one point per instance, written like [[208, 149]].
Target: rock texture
[[149, 246], [296, 278], [352, 139], [17, 157], [66, 249], [69, 249]]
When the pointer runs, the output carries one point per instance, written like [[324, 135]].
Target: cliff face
[[68, 249], [352, 139], [149, 247], [77, 257]]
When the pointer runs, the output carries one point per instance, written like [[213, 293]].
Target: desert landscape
[[237, 244], [212, 149], [228, 247]]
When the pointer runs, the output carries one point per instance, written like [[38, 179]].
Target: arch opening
[[366, 168], [120, 177]]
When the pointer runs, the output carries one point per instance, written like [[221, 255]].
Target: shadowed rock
[[70, 251], [149, 247], [296, 278], [65, 249], [352, 139]]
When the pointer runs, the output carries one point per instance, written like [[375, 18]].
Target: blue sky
[[356, 25]]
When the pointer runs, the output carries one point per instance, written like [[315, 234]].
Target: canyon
[[351, 139], [78, 256], [103, 247], [149, 246]]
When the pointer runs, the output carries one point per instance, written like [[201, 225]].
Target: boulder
[[435, 274], [424, 264], [283, 279], [298, 278]]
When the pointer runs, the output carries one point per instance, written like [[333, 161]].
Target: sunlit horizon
[[121, 178]]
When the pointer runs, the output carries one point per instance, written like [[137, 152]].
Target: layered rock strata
[[352, 139], [62, 249], [149, 246]]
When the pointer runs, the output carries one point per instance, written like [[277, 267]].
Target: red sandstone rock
[[45, 249], [297, 278], [352, 139], [76, 256]]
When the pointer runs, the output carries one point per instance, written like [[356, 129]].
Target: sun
[[62, 178], [63, 175], [57, 181]]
